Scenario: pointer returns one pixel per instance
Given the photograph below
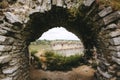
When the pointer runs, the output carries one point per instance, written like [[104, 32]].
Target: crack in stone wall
[[23, 21]]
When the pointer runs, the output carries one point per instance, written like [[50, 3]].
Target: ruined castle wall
[[20, 22]]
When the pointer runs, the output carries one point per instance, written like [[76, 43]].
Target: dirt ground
[[80, 73]]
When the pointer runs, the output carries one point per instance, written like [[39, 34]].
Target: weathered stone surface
[[115, 33], [118, 74], [116, 54], [5, 48], [5, 59], [105, 11], [4, 53], [105, 74], [3, 32], [102, 66], [14, 61], [12, 18], [60, 3], [54, 2], [117, 60], [115, 41], [6, 40], [10, 70], [118, 24], [114, 48], [22, 9], [7, 78], [1, 19], [111, 27], [46, 5], [23, 1], [15, 74], [112, 17], [88, 3]]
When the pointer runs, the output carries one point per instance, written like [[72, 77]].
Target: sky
[[58, 33]]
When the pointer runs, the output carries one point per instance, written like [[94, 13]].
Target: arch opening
[[58, 42]]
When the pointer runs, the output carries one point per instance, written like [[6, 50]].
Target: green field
[[39, 47]]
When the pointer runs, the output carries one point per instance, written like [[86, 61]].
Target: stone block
[[1, 19], [115, 41], [10, 70], [105, 74], [117, 60], [102, 66], [16, 48], [6, 40], [5, 48], [60, 3], [5, 59], [115, 33], [14, 61], [112, 17], [116, 54], [3, 32], [118, 24], [88, 3], [105, 11], [54, 2], [114, 48], [7, 78], [111, 27], [12, 18], [16, 73], [118, 74]]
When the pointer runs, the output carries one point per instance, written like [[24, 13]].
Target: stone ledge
[[105, 74], [115, 33], [3, 32], [115, 41], [105, 12], [117, 60], [12, 18], [6, 40], [5, 48], [112, 17], [111, 27], [115, 54], [5, 59], [10, 70], [7, 78], [88, 3], [114, 48]]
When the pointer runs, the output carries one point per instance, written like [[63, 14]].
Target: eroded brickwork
[[23, 21]]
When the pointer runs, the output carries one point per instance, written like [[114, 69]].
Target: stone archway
[[23, 21]]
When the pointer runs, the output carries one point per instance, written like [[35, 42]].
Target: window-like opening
[[57, 50]]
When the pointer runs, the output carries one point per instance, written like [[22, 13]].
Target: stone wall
[[67, 48], [23, 21], [61, 45], [13, 54]]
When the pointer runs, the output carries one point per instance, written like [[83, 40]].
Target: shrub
[[59, 62], [33, 52], [115, 4]]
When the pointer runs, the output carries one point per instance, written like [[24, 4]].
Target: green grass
[[39, 47]]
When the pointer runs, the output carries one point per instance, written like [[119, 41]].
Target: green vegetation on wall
[[59, 62], [115, 4]]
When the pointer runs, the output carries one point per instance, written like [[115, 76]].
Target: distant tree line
[[41, 42]]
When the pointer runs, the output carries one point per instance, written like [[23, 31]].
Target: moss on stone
[[115, 4], [4, 4]]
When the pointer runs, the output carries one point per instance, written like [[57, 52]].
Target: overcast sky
[[58, 33]]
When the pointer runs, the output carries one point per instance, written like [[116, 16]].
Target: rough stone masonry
[[23, 21]]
